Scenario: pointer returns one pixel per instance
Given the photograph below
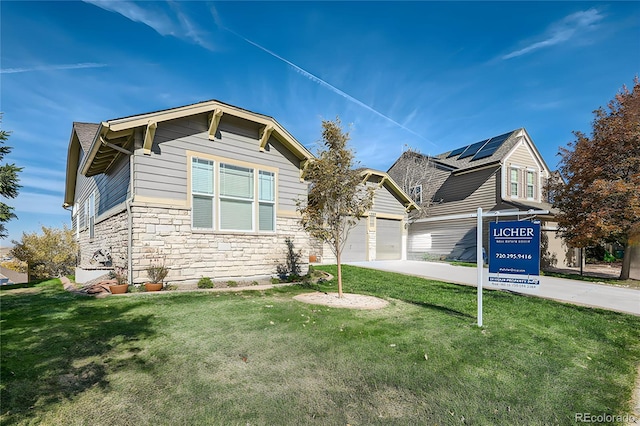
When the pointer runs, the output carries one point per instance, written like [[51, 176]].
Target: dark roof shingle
[[86, 133]]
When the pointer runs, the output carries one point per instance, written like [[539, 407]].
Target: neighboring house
[[8, 276], [209, 189], [502, 173], [382, 233]]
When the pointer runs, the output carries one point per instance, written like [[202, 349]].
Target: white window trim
[[517, 181], [270, 202], [412, 193], [532, 186], [217, 197], [91, 222], [203, 194]]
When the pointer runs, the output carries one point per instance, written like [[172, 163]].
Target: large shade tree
[[599, 193], [8, 182], [50, 254], [337, 196]]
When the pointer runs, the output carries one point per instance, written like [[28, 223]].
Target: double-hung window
[[203, 202], [236, 198], [267, 201], [92, 214], [415, 192], [530, 184], [514, 181], [232, 197]]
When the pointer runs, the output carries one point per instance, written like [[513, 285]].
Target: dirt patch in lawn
[[348, 300]]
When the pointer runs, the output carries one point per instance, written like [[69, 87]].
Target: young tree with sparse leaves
[[8, 182], [416, 174], [51, 254], [337, 197], [599, 193]]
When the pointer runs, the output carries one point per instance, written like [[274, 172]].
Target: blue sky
[[430, 75]]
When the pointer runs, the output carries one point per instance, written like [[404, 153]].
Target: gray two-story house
[[502, 173]]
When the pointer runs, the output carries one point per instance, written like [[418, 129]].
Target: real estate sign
[[514, 254]]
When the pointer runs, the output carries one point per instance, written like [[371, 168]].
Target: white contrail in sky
[[569, 27], [323, 83], [52, 67]]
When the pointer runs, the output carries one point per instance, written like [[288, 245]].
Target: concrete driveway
[[571, 291]]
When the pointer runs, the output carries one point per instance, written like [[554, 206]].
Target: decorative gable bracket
[[266, 134], [214, 121], [149, 134]]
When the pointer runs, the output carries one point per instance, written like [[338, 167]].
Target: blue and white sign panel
[[514, 254]]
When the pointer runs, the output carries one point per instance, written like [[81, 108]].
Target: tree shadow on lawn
[[443, 309], [55, 345]]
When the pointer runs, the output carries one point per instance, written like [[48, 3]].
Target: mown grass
[[261, 358]]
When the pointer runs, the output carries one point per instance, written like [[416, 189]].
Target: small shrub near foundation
[[205, 282]]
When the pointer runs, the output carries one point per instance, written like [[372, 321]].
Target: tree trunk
[[339, 273], [626, 262]]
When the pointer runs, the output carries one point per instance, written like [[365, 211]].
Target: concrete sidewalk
[[583, 293]]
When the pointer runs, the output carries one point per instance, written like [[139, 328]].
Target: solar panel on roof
[[472, 149], [457, 151], [491, 147]]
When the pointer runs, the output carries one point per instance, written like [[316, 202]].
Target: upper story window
[[531, 184], [415, 192], [514, 181], [231, 197]]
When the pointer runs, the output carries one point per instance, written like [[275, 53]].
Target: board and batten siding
[[163, 174]]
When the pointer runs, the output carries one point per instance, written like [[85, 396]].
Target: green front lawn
[[261, 358]]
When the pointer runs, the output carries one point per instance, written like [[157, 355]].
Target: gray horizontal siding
[[111, 188], [465, 193], [453, 239], [163, 174], [386, 202]]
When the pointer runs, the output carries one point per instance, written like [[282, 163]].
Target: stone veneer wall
[[109, 234], [164, 235]]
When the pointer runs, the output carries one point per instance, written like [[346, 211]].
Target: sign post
[[533, 249], [479, 263]]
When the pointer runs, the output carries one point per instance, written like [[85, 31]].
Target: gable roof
[[86, 133], [101, 143], [481, 153], [385, 179]]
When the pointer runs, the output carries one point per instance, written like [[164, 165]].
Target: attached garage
[[380, 234], [388, 239], [355, 249]]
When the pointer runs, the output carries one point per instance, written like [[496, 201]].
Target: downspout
[[130, 223]]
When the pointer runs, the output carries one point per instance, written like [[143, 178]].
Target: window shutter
[[508, 180]]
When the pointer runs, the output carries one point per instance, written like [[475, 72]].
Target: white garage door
[[355, 249], [388, 239]]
